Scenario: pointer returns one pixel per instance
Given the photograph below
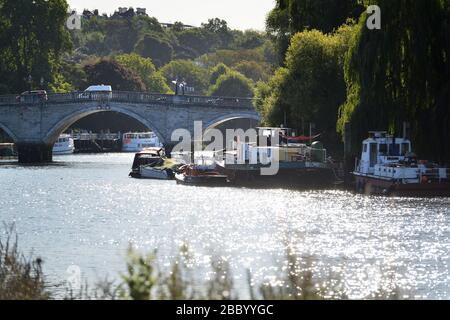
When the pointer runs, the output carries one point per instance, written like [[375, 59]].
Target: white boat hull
[[63, 152], [152, 173]]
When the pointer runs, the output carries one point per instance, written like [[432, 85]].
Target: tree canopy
[[33, 40], [292, 16], [186, 70], [110, 72], [156, 48], [232, 84], [146, 70], [401, 73], [311, 87], [217, 71]]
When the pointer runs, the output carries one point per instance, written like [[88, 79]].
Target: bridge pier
[[34, 152]]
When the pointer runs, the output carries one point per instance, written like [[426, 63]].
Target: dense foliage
[[232, 84], [32, 42], [311, 87], [130, 46], [402, 73], [107, 71], [292, 16], [145, 69]]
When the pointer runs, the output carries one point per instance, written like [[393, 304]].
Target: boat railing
[[435, 174], [312, 155], [95, 136]]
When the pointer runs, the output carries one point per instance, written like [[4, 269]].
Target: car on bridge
[[97, 91], [32, 96]]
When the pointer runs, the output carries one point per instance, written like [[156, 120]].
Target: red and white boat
[[389, 167]]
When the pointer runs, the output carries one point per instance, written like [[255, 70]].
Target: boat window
[[364, 147], [383, 148], [394, 149], [405, 148], [373, 154]]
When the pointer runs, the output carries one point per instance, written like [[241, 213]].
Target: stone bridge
[[35, 124]]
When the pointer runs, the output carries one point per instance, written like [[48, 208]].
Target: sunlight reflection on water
[[84, 210]]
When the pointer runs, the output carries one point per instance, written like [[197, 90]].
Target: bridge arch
[[8, 132], [70, 119], [225, 118]]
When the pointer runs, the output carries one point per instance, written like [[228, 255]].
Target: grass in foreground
[[22, 278]]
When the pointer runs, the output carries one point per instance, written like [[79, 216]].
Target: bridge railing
[[137, 97]]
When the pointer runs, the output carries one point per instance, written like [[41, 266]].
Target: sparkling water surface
[[84, 210]]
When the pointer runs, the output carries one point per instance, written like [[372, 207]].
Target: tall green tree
[[185, 70], [232, 84], [156, 48], [32, 41], [217, 71], [292, 16], [311, 87], [220, 28], [401, 73], [146, 70], [110, 72]]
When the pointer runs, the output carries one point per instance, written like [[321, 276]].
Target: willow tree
[[292, 16], [401, 73]]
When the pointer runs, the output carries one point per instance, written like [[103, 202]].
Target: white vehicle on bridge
[[97, 91]]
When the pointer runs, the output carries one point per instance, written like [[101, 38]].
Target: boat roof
[[150, 151]]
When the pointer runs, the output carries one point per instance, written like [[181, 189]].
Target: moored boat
[[151, 163], [64, 145], [138, 141], [389, 167], [300, 163], [199, 175]]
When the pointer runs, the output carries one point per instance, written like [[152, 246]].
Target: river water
[[84, 211]]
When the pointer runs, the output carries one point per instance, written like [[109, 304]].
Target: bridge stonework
[[35, 126]]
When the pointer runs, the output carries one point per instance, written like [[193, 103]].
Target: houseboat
[[64, 145], [138, 141], [299, 162], [389, 167]]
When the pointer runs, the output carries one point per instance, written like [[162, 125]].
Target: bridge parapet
[[34, 123], [135, 97]]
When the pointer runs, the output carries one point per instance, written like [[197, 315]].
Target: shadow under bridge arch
[[234, 122], [67, 121]]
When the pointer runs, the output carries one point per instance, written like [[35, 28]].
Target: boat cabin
[[380, 148], [148, 156], [288, 148]]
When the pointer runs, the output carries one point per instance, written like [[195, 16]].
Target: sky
[[240, 14]]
